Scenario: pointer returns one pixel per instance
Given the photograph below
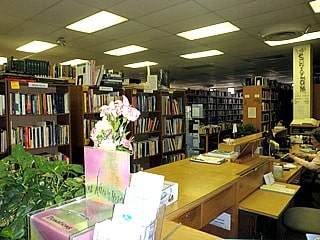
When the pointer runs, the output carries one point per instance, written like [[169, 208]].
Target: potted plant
[[246, 129], [31, 182]]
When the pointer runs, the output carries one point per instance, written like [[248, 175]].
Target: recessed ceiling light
[[126, 50], [74, 62], [202, 54], [3, 60], [36, 47], [141, 64], [315, 5], [96, 22], [209, 31], [305, 37]]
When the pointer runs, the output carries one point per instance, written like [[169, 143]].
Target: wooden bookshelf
[[85, 102], [4, 140], [146, 130], [39, 117], [173, 126]]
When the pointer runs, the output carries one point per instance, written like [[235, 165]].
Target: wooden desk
[[184, 232], [261, 211], [203, 194], [292, 175], [267, 203]]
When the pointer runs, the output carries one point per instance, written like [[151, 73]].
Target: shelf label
[[15, 85], [103, 88], [37, 85], [134, 91], [85, 88], [148, 91], [246, 96], [256, 95]]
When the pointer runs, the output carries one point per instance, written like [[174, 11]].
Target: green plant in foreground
[[30, 182]]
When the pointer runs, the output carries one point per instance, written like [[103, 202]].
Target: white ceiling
[[153, 24]]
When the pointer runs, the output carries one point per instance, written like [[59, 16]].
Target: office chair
[[301, 220]]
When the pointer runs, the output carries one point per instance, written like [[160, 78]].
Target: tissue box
[[73, 220], [169, 193]]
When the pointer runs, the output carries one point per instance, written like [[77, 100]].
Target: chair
[[301, 220]]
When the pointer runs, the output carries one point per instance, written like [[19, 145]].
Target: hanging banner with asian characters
[[302, 80]]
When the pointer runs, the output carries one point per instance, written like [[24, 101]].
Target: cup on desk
[[277, 171]]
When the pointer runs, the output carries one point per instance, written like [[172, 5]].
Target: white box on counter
[[169, 193]]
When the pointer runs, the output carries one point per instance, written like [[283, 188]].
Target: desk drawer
[[252, 180], [216, 205], [191, 218]]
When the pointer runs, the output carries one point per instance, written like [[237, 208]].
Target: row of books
[[144, 103], [2, 104], [172, 144], [88, 124], [93, 102], [3, 140], [146, 148], [173, 158], [44, 134], [172, 105], [146, 125], [40, 103], [173, 126], [56, 156], [28, 66]]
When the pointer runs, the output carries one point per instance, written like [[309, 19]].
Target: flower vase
[[107, 174]]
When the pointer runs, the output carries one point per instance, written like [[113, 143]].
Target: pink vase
[[107, 174]]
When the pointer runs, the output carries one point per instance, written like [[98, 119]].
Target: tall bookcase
[[173, 140], [3, 120], [39, 117], [146, 130], [260, 107], [85, 102]]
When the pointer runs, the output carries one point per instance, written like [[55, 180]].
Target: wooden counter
[[238, 143], [203, 194]]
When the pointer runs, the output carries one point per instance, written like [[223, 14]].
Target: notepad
[[208, 159]]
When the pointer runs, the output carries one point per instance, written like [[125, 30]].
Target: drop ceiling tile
[[122, 30], [65, 12], [25, 9], [8, 23], [138, 8], [145, 36], [86, 42], [174, 14], [215, 5]]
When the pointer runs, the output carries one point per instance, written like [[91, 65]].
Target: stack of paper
[[208, 159]]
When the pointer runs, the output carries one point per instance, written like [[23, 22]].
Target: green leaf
[[7, 232]]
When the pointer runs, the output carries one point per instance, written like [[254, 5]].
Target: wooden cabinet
[[39, 117], [146, 130], [258, 107], [172, 126], [85, 103]]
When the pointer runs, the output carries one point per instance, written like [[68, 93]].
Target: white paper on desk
[[109, 230], [222, 221], [128, 213], [147, 185]]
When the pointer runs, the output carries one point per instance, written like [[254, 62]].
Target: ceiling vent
[[283, 31]]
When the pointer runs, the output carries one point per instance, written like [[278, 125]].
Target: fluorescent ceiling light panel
[[315, 5], [126, 50], [202, 54], [36, 47], [3, 60], [209, 31], [96, 22], [141, 64], [74, 62], [305, 37]]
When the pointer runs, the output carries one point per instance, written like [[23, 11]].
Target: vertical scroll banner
[[302, 79], [107, 174]]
